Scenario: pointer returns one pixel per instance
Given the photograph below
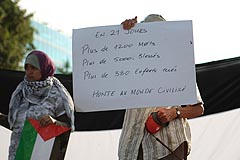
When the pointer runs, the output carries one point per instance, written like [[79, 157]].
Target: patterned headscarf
[[41, 61]]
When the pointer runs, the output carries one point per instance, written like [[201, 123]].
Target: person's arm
[[63, 120], [189, 111], [4, 121], [129, 23]]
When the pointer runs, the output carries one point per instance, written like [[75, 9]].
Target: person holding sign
[[39, 96], [158, 133]]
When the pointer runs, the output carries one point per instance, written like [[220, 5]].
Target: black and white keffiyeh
[[31, 91]]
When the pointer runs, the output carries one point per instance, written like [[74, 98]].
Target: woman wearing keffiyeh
[[39, 96]]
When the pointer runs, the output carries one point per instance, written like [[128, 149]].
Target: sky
[[216, 26]]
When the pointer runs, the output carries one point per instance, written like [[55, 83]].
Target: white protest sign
[[149, 65]]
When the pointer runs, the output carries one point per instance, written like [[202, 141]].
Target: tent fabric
[[214, 137], [218, 82]]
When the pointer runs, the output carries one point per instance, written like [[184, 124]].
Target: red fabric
[[151, 126], [48, 132]]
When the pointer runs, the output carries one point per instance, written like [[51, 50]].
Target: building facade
[[55, 43]]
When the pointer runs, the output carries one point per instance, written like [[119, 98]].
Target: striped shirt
[[134, 134]]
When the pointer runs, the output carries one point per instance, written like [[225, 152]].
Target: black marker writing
[[87, 62], [145, 70], [103, 93], [87, 49], [141, 91], [171, 89], [88, 75]]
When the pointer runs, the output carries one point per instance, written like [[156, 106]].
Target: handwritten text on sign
[[149, 65]]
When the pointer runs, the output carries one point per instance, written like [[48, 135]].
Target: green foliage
[[16, 34], [65, 69]]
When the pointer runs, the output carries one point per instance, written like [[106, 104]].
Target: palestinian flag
[[38, 143]]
